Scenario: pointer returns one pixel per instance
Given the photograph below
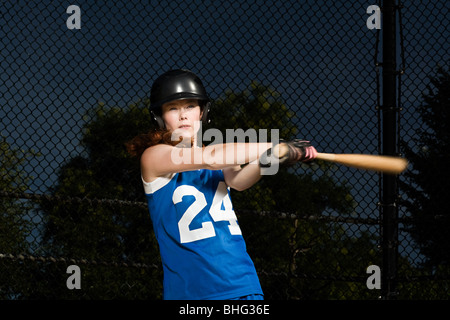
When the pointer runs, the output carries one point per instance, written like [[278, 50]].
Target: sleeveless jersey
[[202, 250]]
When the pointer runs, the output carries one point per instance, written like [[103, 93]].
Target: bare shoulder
[[154, 152], [151, 161]]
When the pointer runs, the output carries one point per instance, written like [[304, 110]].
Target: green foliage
[[99, 231], [13, 229], [14, 223], [427, 184], [258, 107]]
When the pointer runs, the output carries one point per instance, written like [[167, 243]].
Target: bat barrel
[[386, 164]]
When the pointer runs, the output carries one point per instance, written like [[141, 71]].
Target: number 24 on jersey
[[221, 196]]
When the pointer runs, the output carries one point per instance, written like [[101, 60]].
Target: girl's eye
[[190, 106]]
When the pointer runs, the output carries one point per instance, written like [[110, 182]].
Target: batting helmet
[[177, 85]]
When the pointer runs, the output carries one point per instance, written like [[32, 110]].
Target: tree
[[257, 107], [14, 225], [426, 185], [88, 219]]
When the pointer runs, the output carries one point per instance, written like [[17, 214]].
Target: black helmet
[[177, 85]]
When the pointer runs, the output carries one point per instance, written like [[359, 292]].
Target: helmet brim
[[179, 96]]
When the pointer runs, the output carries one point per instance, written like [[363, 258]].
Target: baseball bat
[[386, 164]]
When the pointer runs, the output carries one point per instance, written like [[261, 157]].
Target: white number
[[217, 213], [207, 229], [222, 196]]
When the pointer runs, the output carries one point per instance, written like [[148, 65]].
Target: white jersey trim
[[158, 183]]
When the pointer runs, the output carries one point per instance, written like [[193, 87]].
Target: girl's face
[[180, 116]]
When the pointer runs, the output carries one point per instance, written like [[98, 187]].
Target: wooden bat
[[386, 164]]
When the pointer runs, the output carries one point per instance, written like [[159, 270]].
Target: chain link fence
[[74, 88]]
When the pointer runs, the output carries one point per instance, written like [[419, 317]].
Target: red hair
[[140, 143]]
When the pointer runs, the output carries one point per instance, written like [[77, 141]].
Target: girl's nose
[[183, 114]]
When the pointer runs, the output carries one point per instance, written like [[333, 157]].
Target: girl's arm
[[242, 178], [163, 159], [288, 153]]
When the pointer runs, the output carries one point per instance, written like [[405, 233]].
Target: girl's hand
[[288, 153]]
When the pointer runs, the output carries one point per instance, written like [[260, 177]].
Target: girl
[[201, 245]]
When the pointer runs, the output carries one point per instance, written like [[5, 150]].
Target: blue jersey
[[202, 249]]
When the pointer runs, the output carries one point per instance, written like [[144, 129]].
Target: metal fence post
[[389, 210]]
